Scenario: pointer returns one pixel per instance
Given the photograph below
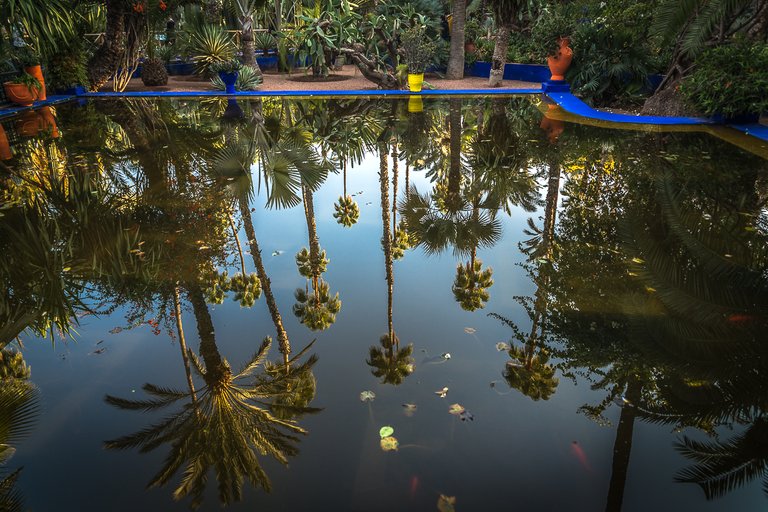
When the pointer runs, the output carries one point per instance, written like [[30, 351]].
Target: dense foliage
[[730, 80]]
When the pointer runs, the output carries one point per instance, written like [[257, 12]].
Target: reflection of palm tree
[[724, 466], [390, 362], [347, 212], [223, 426], [18, 414], [316, 309]]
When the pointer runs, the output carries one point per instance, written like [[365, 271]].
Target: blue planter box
[[522, 72], [180, 68], [268, 62]]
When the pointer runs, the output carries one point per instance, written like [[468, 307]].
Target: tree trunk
[[499, 54], [386, 237], [105, 60], [278, 15], [266, 286], [454, 172], [183, 343], [456, 60], [247, 44], [216, 368], [237, 241], [622, 448]]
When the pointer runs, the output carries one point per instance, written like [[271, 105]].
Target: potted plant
[[30, 61], [228, 71], [551, 39], [418, 52], [22, 90], [5, 147]]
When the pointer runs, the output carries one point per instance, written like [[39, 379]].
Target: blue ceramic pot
[[229, 80]]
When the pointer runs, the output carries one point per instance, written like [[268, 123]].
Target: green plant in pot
[[30, 60], [227, 71], [247, 80], [265, 42], [551, 40], [24, 90], [418, 51]]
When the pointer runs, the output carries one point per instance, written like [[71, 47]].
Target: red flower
[[162, 5]]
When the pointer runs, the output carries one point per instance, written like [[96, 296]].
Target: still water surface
[[548, 316]]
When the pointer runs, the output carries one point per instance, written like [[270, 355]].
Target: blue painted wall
[[523, 72]]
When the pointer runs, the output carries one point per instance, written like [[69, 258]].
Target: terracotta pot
[[470, 47], [29, 124], [5, 147], [559, 64], [37, 72], [20, 94], [552, 127], [48, 121]]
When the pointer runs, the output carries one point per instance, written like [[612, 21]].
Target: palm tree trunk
[[550, 212], [386, 237], [266, 286], [456, 60], [237, 240], [314, 242], [183, 343], [394, 188], [345, 179], [214, 363], [454, 174], [278, 15], [499, 53], [105, 60], [622, 448], [247, 44]]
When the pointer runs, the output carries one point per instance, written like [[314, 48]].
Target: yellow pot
[[415, 81], [415, 104]]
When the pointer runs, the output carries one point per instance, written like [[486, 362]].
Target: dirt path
[[354, 81]]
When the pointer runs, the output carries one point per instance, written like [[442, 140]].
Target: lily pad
[[389, 444], [456, 409], [442, 392], [502, 347], [386, 431], [367, 396]]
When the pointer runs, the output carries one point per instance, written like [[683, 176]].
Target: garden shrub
[[730, 81]]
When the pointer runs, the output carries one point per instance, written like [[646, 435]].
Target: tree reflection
[[390, 362], [225, 422]]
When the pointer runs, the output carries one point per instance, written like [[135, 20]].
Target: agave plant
[[247, 80], [209, 45]]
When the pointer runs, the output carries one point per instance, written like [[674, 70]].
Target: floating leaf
[[456, 409], [442, 392], [409, 409], [502, 347], [470, 330], [367, 396], [446, 356], [386, 431], [389, 444], [446, 503]]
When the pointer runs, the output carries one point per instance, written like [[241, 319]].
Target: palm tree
[[246, 10], [347, 212], [389, 362], [316, 309], [725, 466], [505, 12], [456, 59], [691, 26], [19, 407], [226, 421]]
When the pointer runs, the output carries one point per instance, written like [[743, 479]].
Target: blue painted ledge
[[574, 105], [52, 100], [755, 130]]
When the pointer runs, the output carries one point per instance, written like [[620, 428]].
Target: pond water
[[507, 311]]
